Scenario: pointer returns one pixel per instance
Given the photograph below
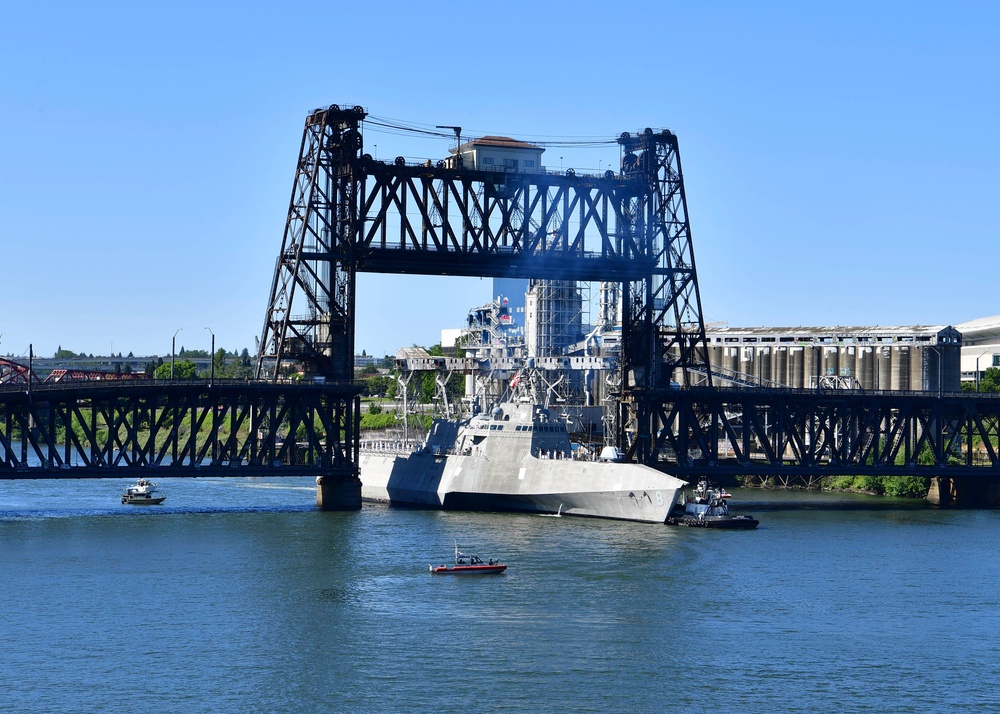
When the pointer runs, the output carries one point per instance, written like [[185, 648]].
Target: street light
[[977, 367], [212, 355], [173, 349]]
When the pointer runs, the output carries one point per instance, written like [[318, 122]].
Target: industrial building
[[980, 347], [913, 358]]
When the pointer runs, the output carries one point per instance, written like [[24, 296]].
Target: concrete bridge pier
[[969, 493], [338, 492], [941, 492]]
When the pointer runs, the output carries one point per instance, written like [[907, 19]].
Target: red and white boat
[[469, 565]]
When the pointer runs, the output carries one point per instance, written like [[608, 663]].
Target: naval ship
[[517, 457]]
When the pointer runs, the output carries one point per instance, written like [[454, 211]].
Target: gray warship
[[515, 457]]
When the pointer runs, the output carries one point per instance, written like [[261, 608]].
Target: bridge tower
[[309, 322], [317, 265], [663, 328]]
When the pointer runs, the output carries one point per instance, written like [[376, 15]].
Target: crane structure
[[351, 213]]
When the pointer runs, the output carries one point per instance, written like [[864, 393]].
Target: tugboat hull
[[727, 522]]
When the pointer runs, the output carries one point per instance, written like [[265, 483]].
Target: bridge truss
[[189, 428], [350, 213], [793, 437]]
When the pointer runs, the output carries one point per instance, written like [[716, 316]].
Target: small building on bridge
[[499, 153]]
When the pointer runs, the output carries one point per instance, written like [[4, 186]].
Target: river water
[[237, 595]]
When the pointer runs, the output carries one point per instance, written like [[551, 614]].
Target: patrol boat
[[517, 458], [143, 493]]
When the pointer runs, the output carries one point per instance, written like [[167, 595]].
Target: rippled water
[[238, 596]]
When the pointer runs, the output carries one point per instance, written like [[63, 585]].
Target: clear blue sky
[[841, 160]]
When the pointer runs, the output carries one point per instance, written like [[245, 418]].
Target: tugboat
[[468, 565], [707, 508], [143, 493]]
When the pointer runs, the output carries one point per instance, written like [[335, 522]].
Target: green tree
[[990, 381], [183, 369]]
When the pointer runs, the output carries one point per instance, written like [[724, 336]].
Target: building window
[[509, 162], [996, 360], [529, 163], [487, 160]]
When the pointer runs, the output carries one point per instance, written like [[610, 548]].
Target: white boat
[[516, 458], [143, 493]]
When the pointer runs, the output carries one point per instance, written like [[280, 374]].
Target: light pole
[[173, 349], [977, 367], [212, 355]]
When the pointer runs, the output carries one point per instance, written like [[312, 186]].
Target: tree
[[990, 381], [183, 369]]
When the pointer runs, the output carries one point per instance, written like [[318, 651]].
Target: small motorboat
[[707, 508], [143, 493], [469, 565]]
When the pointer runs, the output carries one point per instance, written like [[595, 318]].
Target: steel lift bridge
[[350, 213]]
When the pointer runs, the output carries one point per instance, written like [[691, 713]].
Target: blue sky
[[841, 161]]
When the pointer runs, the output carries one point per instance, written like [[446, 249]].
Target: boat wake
[[557, 514]]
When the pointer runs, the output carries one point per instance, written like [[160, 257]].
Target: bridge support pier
[[978, 493], [940, 492], [338, 492]]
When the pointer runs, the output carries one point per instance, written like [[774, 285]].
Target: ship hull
[[522, 483]]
